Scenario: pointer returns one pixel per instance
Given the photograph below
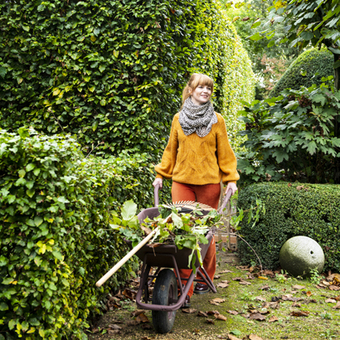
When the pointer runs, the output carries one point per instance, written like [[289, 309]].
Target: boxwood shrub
[[292, 209], [55, 242], [307, 69]]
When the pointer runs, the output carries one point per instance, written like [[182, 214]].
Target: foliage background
[[111, 73], [291, 137]]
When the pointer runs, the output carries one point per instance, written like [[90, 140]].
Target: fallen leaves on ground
[[257, 316], [215, 313], [200, 313], [189, 310], [253, 337], [216, 301], [223, 284], [337, 306], [299, 313], [262, 277], [265, 287], [140, 316], [273, 319], [298, 287], [220, 317]]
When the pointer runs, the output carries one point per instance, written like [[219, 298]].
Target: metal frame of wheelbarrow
[[169, 256]]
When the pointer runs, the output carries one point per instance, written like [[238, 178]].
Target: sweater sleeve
[[166, 167], [226, 158]]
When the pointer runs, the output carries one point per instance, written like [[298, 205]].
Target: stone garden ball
[[300, 255]]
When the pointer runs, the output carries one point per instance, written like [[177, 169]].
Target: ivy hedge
[[55, 240], [292, 209], [111, 72], [307, 69]]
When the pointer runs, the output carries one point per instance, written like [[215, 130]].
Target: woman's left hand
[[231, 186]]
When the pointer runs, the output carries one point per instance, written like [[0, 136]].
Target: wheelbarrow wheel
[[164, 293]]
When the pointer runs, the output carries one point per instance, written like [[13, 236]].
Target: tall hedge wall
[[303, 70], [55, 239], [111, 72], [292, 209]]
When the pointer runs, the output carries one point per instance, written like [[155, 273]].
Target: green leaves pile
[[185, 230]]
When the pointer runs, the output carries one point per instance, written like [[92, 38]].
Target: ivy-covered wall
[[111, 72]]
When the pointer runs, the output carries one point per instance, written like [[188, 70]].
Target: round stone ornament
[[300, 255]]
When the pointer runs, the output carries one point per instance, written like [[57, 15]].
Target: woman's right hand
[[158, 181]]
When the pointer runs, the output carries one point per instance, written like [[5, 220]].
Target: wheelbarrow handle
[[225, 201], [156, 190]]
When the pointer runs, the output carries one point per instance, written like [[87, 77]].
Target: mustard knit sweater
[[198, 160]]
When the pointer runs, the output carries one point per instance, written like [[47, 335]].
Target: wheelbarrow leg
[[206, 279]]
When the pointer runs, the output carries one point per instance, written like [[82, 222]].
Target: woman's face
[[201, 94]]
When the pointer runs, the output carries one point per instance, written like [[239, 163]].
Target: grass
[[268, 305]]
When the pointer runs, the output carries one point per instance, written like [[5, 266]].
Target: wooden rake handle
[[125, 258]]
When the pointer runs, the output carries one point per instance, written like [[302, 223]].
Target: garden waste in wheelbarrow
[[161, 265]]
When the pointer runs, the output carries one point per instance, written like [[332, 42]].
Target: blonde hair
[[195, 80]]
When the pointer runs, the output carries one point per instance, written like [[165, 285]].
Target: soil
[[266, 305]]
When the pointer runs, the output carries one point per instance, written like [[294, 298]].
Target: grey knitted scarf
[[197, 118]]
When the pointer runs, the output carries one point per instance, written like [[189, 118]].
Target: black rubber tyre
[[164, 293]]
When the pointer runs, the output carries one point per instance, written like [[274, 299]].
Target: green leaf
[[311, 148], [177, 221], [129, 210], [12, 323], [256, 37], [22, 173], [236, 332], [3, 261], [30, 167], [62, 199], [38, 221], [34, 322], [57, 255], [3, 72], [334, 50], [319, 98]]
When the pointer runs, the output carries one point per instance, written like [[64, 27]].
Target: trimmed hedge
[[111, 72], [55, 240], [302, 70], [292, 209]]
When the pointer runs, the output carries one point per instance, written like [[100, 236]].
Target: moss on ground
[[273, 297]]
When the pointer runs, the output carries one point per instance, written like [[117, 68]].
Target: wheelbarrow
[[161, 264]]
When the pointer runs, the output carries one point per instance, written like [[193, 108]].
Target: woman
[[197, 158]]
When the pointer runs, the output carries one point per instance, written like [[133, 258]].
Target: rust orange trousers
[[207, 194]]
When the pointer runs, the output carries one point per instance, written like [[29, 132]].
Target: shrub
[[292, 209], [291, 137], [55, 242], [307, 69], [111, 72]]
